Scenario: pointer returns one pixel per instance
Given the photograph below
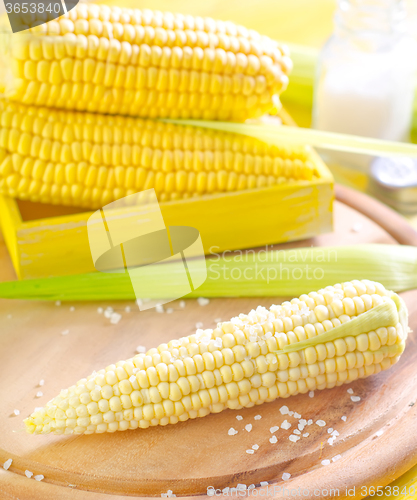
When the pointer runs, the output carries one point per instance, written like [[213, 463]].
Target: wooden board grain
[[188, 457]]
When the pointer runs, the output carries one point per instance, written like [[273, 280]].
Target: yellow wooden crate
[[58, 244]]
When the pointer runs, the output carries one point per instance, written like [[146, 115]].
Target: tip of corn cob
[[317, 341]]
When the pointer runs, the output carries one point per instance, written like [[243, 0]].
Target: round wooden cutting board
[[60, 344]]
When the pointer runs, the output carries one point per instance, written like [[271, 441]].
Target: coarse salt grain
[[72, 308], [285, 425], [286, 476], [248, 427], [16, 412], [257, 417], [297, 415], [311, 394], [28, 473], [182, 304], [284, 410], [264, 483], [325, 462], [296, 431], [379, 433], [335, 433], [39, 394], [239, 417], [58, 303], [241, 487], [273, 439], [140, 349], [309, 422], [331, 441], [199, 325], [290, 413], [306, 434], [232, 431], [357, 228], [41, 382], [115, 318], [169, 310], [251, 487], [293, 438], [350, 391], [336, 458], [273, 429], [344, 418], [100, 310], [39, 477], [127, 309], [159, 308], [321, 423], [330, 430], [65, 332], [355, 399], [203, 301], [255, 447], [250, 452], [7, 464]]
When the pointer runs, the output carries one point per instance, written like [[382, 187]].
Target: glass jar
[[365, 78]]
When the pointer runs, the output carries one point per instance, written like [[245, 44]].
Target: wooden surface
[[188, 457]]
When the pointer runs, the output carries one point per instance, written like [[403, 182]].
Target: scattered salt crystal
[[182, 304], [169, 310], [28, 473], [306, 434], [297, 415], [127, 309], [309, 422], [218, 320], [39, 477], [336, 458], [159, 308], [248, 427], [58, 303], [72, 485], [331, 441], [250, 452], [296, 431], [7, 464], [140, 349], [65, 332], [350, 391], [115, 318], [273, 429], [264, 483], [303, 421], [199, 325], [285, 425], [232, 431], [16, 412], [273, 439], [321, 423], [379, 433], [72, 309], [344, 418], [335, 433], [9, 316], [255, 447], [357, 228], [203, 301], [241, 487], [330, 430], [286, 476], [132, 379], [39, 394], [355, 399], [290, 413], [41, 382], [325, 462], [284, 410], [257, 417], [108, 312], [225, 490], [239, 417], [100, 310], [293, 438], [301, 427], [251, 487]]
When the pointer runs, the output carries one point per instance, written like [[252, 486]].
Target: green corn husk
[[274, 273]]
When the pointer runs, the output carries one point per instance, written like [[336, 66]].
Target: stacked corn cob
[[321, 340], [89, 160], [146, 64]]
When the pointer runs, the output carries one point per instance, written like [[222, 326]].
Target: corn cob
[[318, 341], [149, 64], [89, 160]]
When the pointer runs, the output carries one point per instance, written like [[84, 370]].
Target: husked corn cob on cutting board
[[189, 456]]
